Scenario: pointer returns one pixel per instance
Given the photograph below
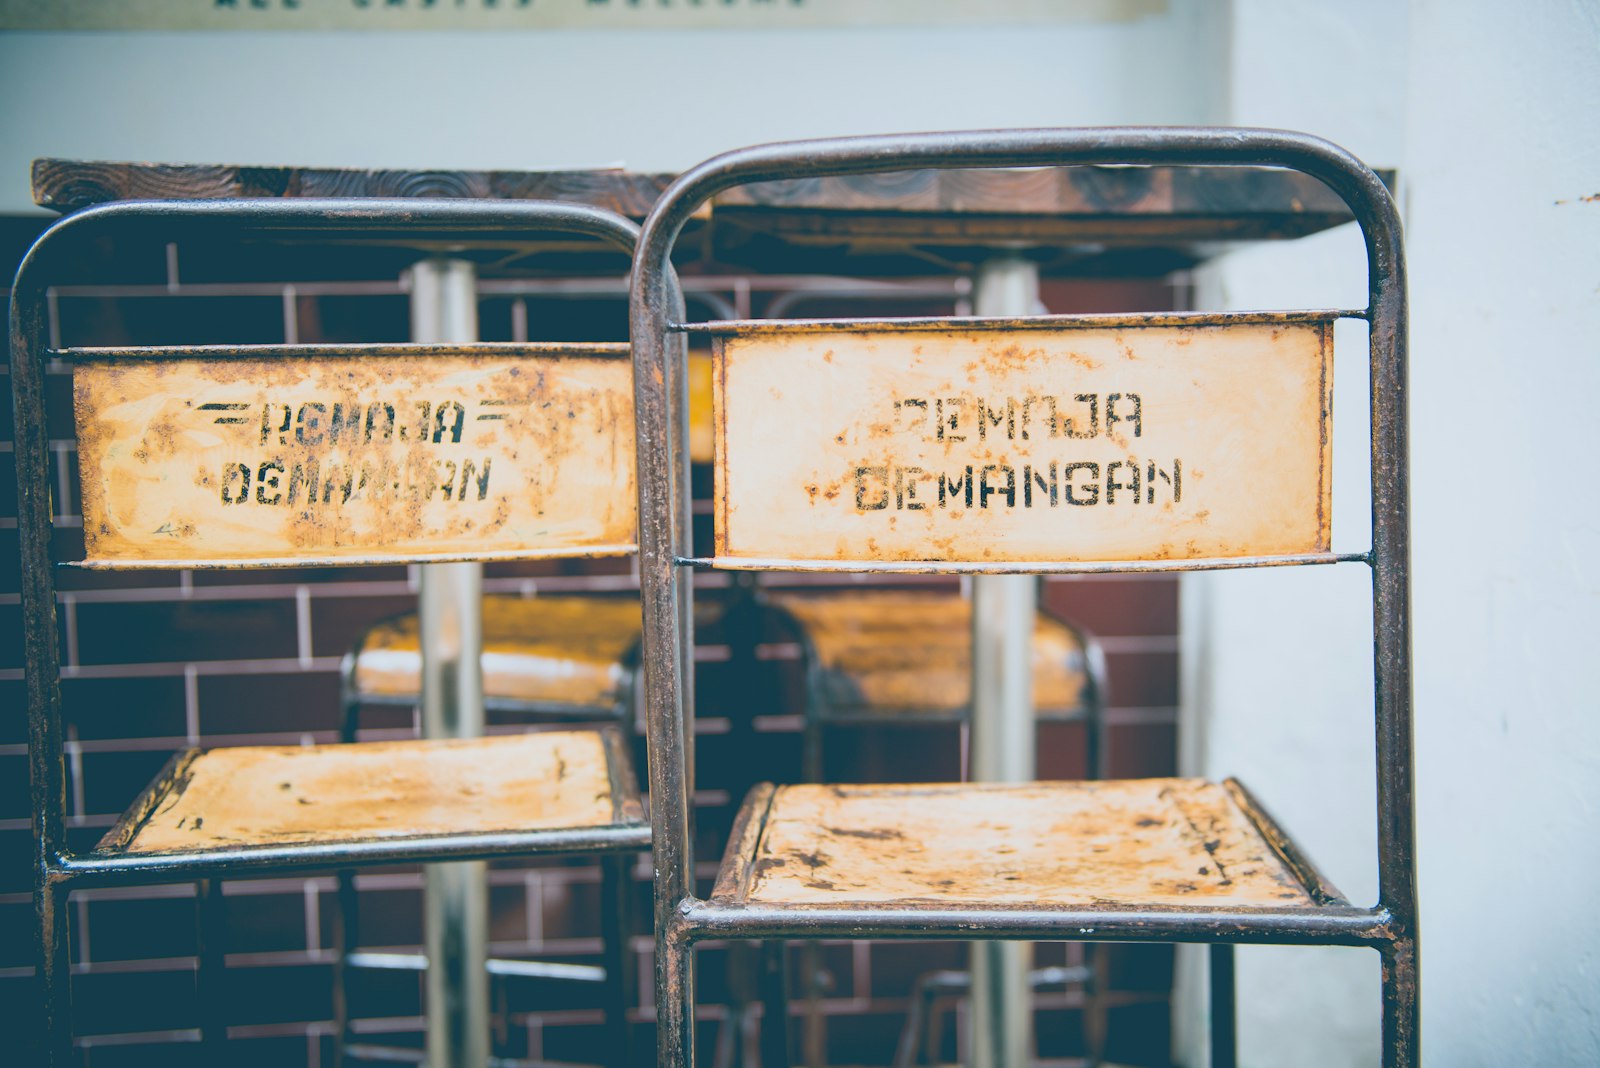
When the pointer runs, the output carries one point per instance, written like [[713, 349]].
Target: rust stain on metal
[[279, 457], [912, 652], [270, 795], [557, 649], [1126, 842], [1014, 442]]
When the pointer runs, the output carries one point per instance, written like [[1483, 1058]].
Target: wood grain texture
[[1119, 843], [903, 653], [277, 795], [67, 185], [560, 650]]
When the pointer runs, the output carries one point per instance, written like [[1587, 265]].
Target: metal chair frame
[[682, 918], [57, 868]]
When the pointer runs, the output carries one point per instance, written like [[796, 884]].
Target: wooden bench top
[[1115, 221]]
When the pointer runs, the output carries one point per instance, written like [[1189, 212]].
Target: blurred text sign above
[[550, 14]]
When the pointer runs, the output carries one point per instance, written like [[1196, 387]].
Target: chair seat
[[1140, 842], [297, 795], [539, 650], [887, 653]]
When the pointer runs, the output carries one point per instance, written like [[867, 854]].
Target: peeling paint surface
[[350, 456], [897, 651], [273, 795], [1071, 442], [1122, 842], [557, 649]]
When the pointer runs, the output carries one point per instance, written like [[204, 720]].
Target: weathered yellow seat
[[268, 796], [562, 652], [1133, 843], [880, 653]]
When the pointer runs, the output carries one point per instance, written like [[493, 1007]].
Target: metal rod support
[[1003, 609], [444, 308]]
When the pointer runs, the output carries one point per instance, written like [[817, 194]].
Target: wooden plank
[[1134, 438], [1128, 842], [67, 185], [276, 795], [258, 457]]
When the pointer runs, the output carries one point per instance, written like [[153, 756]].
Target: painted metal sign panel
[[366, 454], [1162, 438]]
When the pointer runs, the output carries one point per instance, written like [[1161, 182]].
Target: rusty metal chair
[[549, 659], [827, 487], [169, 441], [903, 659]]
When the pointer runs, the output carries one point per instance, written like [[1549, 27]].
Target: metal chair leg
[[1095, 1022], [774, 1005], [1401, 1045], [210, 966], [1224, 1020], [674, 999], [346, 937], [618, 989], [54, 966]]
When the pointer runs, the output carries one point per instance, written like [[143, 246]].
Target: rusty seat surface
[[910, 653], [1137, 842], [538, 650], [293, 795]]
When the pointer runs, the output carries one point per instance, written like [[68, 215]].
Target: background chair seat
[[910, 653], [539, 650], [283, 795], [1138, 842]]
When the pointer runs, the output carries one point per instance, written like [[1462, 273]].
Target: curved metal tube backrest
[[444, 225], [662, 506]]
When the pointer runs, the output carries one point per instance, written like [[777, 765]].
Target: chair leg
[[1094, 1005], [814, 1036], [346, 937], [1401, 1038], [210, 966], [1224, 1020], [774, 1005], [674, 1000], [55, 974], [618, 990]]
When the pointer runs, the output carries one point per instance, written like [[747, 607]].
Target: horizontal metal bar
[[585, 553], [398, 962], [599, 349], [546, 969], [1030, 567], [1029, 322], [1333, 925], [135, 868], [498, 966]]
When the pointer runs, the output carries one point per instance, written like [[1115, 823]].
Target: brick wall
[[158, 660]]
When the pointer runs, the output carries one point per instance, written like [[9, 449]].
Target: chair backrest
[[1167, 442], [1044, 442], [311, 455], [363, 454]]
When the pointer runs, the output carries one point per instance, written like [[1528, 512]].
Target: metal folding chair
[[222, 457], [1158, 443]]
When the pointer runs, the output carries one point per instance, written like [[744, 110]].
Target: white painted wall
[[528, 100], [1487, 110]]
